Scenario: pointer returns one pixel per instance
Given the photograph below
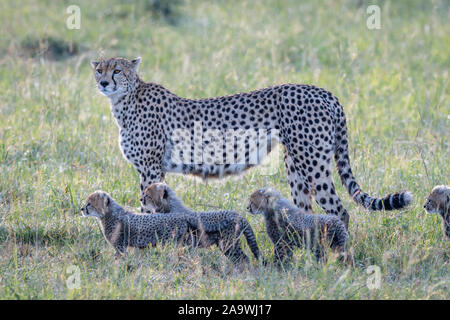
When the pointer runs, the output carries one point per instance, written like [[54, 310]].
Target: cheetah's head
[[156, 198], [439, 200], [262, 200], [97, 205], [116, 76]]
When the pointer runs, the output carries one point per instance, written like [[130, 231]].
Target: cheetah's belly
[[125, 145], [130, 149], [211, 161]]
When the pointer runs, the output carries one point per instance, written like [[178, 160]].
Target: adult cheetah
[[229, 224], [308, 121]]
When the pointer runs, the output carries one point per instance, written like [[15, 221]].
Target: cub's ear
[[160, 193], [135, 63], [259, 199], [94, 64], [155, 191], [107, 201], [268, 194]]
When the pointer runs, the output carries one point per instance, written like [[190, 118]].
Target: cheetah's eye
[[117, 71], [99, 71]]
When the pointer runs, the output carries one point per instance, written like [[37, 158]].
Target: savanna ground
[[58, 141]]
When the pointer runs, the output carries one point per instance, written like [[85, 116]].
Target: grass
[[58, 142]]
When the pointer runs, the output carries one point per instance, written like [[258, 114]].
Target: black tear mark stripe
[[115, 83]]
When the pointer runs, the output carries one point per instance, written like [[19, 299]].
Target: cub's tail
[[392, 201], [250, 236]]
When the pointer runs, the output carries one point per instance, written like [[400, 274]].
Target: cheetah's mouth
[[108, 92]]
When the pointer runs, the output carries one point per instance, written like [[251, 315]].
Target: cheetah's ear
[[270, 199], [135, 63], [107, 202], [157, 192], [268, 194], [94, 64]]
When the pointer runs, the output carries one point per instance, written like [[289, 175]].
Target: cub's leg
[[231, 247], [121, 251], [282, 252], [236, 254]]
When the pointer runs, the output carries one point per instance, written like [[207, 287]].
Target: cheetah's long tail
[[392, 201], [250, 236]]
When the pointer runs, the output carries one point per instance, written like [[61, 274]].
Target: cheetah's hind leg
[[300, 189], [325, 192]]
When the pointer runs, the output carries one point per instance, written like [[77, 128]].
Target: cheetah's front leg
[[152, 173]]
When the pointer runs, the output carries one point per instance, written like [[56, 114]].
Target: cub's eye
[[99, 71], [117, 71]]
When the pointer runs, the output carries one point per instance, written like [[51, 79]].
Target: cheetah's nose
[[104, 83]]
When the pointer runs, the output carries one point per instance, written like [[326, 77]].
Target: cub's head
[[97, 205], [439, 200], [156, 198], [116, 76], [262, 200]]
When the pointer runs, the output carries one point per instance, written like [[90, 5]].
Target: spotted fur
[[229, 224], [288, 227], [122, 228], [438, 201], [310, 122]]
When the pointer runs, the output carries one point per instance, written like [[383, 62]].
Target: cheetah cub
[[288, 227], [229, 224], [439, 202], [122, 228]]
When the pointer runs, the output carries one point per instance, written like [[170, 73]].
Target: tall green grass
[[58, 141]]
